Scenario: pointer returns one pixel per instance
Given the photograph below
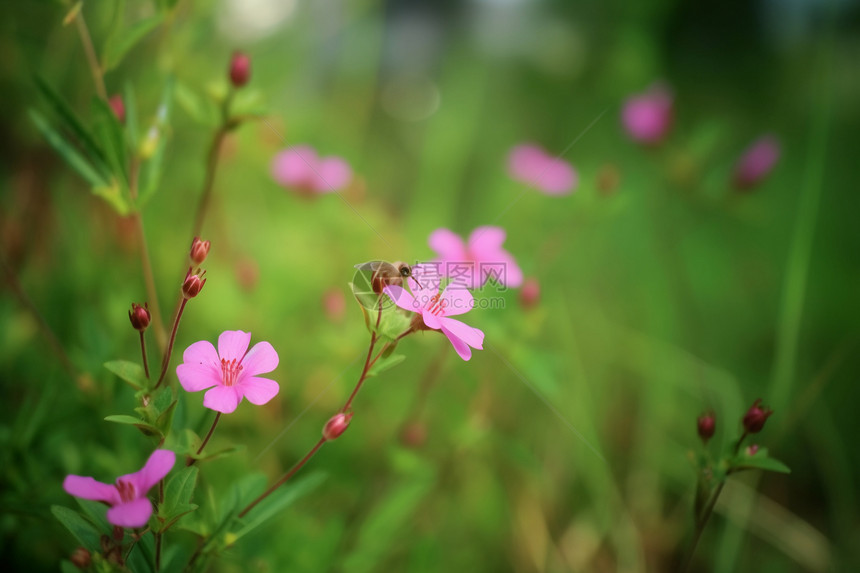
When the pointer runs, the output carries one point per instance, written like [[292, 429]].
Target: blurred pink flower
[[435, 310], [647, 117], [474, 263], [129, 506], [530, 164], [756, 163], [231, 372], [300, 168]]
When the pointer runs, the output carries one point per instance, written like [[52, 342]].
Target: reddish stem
[[166, 361]]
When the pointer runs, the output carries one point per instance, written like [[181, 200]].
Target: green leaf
[[393, 323], [760, 461], [73, 123], [199, 108], [142, 425], [178, 494], [131, 372], [384, 364], [219, 454], [84, 531], [152, 147], [277, 502], [131, 127], [96, 512], [67, 151], [118, 46], [109, 133]]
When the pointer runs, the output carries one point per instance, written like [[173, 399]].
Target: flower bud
[[752, 449], [756, 163], [706, 424], [530, 293], [193, 283], [80, 558], [199, 250], [337, 425], [240, 69], [118, 107], [647, 117], [755, 417], [139, 316]]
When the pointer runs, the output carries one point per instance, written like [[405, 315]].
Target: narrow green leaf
[[131, 127], [199, 108], [76, 127], [119, 46], [761, 460], [84, 531], [384, 364], [130, 372], [142, 425], [109, 133], [277, 502], [153, 145], [75, 160]]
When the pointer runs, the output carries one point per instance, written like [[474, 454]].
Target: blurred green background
[[663, 296]]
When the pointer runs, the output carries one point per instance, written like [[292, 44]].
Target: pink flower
[[473, 263], [647, 117], [435, 310], [757, 162], [129, 505], [300, 168], [231, 372], [530, 164]]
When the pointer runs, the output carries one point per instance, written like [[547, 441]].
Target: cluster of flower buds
[[753, 422], [194, 280], [336, 425]]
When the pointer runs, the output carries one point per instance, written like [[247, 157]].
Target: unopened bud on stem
[[139, 316], [199, 250], [337, 425], [755, 417], [240, 69], [193, 283], [706, 424]]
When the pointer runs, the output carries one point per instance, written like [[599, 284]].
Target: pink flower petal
[[506, 273], [261, 359], [259, 390], [202, 353], [232, 344], [757, 161], [557, 178], [461, 347], [197, 377], [448, 245], [525, 162], [485, 242], [132, 514], [158, 465], [89, 488], [457, 300], [294, 167], [224, 399], [468, 334], [431, 320], [402, 298], [332, 174]]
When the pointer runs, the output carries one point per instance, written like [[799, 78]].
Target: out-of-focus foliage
[[565, 444]]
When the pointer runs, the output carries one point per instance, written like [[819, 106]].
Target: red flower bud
[[755, 417], [751, 450], [337, 425], [193, 283], [240, 69], [530, 293], [199, 250], [139, 316], [706, 425], [118, 107], [80, 558]]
